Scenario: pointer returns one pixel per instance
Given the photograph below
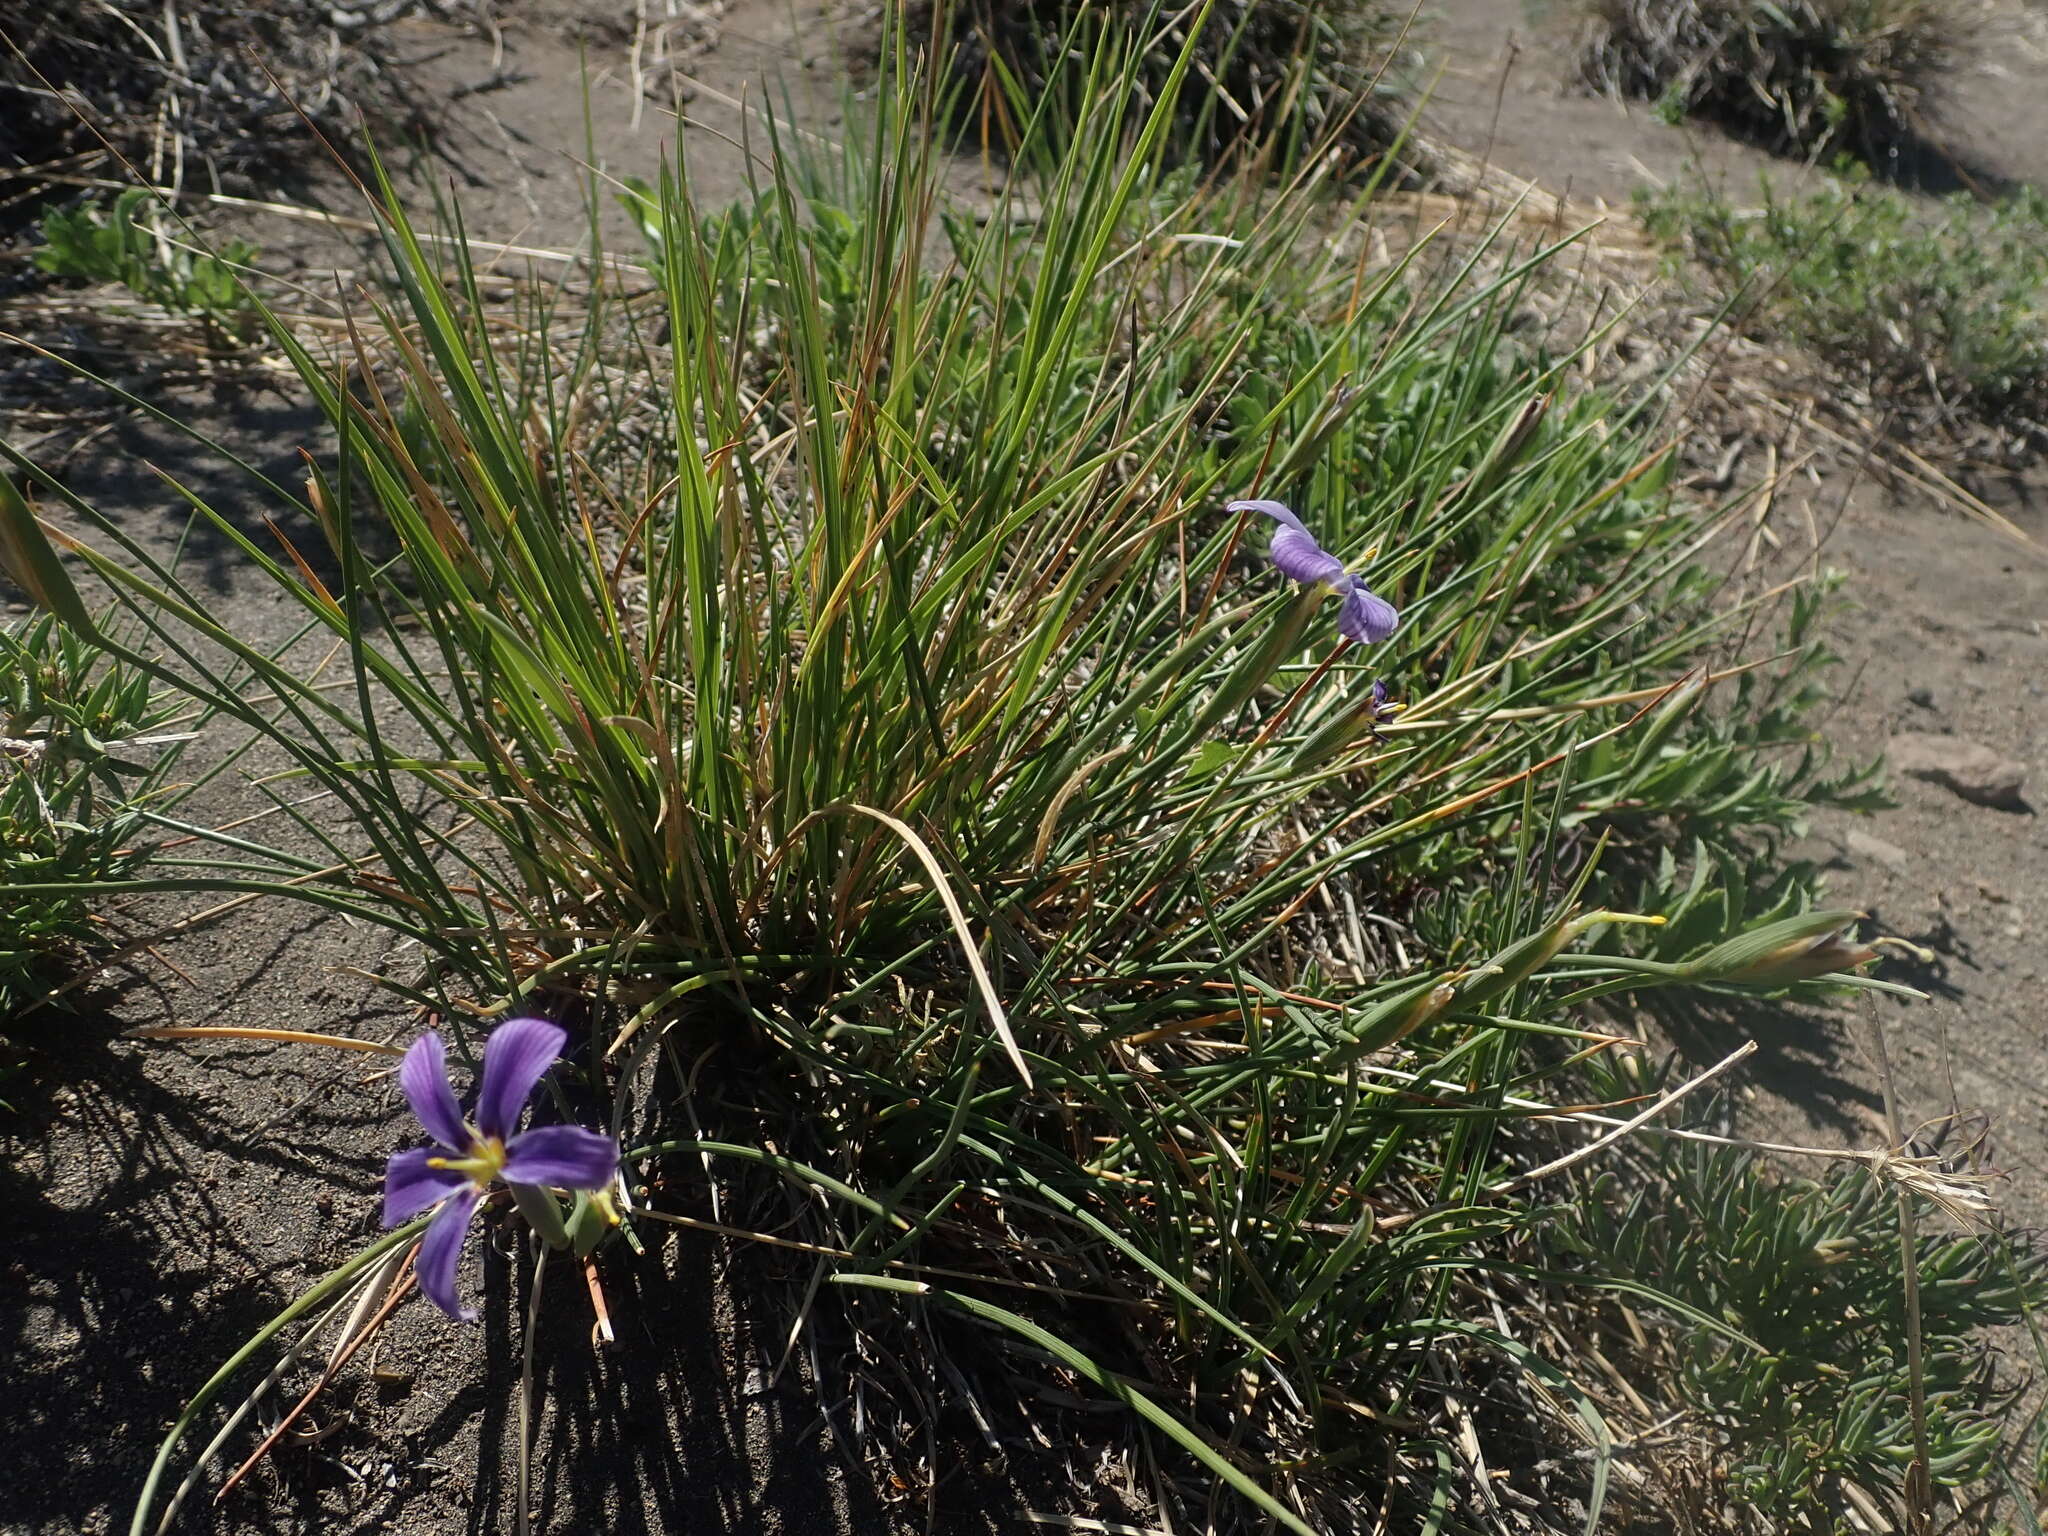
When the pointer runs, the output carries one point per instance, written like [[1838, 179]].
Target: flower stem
[[540, 1264]]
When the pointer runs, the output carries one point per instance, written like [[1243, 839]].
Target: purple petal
[[424, 1077], [561, 1156], [441, 1251], [410, 1186], [1301, 558], [1366, 618], [1273, 509], [516, 1058]]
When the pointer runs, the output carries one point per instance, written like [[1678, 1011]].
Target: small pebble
[[1969, 769], [1876, 849]]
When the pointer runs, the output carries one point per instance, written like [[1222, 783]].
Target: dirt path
[[165, 1202]]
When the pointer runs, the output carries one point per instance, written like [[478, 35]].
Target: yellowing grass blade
[[968, 947], [240, 1032]]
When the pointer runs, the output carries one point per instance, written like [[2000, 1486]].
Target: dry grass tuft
[[1806, 77], [1267, 73], [191, 90]]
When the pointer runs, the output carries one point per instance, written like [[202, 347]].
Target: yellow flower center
[[485, 1162]]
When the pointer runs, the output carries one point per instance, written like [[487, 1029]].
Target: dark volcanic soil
[[164, 1200]]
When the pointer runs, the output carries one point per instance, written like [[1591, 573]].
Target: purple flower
[[459, 1170], [1380, 710], [1363, 617]]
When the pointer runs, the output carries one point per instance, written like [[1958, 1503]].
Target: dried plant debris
[[218, 90], [1289, 75], [1804, 77]]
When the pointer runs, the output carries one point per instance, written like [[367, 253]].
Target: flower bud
[[1793, 949], [1424, 1009], [1803, 962], [1396, 1018], [28, 559], [1525, 957], [592, 1217]]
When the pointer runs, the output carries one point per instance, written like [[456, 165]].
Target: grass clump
[[812, 663], [1813, 78], [1268, 79], [1935, 310]]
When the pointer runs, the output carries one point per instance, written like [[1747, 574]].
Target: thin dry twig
[[1580, 1154], [1919, 1476], [353, 1339]]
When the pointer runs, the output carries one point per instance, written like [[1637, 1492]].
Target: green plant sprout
[[114, 244]]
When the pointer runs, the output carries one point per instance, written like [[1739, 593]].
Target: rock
[[1891, 855], [1973, 771], [1924, 697]]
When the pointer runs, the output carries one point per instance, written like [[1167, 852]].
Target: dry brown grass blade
[[401, 1284], [969, 950], [1579, 1154], [1891, 458], [252, 1032]]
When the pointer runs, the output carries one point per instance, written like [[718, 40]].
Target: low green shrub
[[72, 778], [1811, 1270], [1937, 308], [112, 245], [1813, 78]]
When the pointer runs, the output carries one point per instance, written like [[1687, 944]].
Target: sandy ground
[[1940, 627], [163, 1202]]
